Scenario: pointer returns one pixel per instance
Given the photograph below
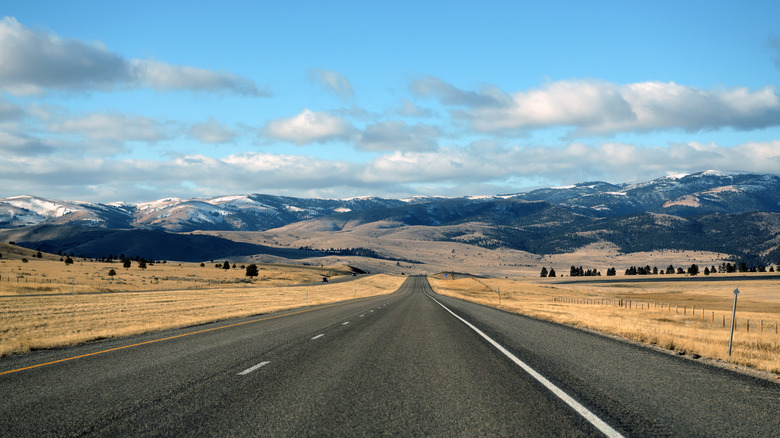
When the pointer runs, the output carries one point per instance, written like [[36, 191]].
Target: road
[[400, 364]]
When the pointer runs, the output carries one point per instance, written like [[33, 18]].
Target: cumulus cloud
[[597, 107], [397, 135], [451, 171], [333, 82], [489, 163], [309, 127], [113, 127], [14, 145], [162, 76], [32, 62], [410, 109], [212, 131], [432, 87]]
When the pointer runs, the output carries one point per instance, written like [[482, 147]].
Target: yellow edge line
[[173, 337]]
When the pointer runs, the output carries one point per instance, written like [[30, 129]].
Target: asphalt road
[[395, 365]]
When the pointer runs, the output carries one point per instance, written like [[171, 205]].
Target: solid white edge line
[[254, 368], [605, 428], [318, 336]]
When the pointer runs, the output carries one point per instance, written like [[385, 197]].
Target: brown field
[[49, 275], [45, 304], [686, 317]]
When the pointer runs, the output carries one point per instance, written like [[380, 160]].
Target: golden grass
[[55, 277], [660, 313], [47, 315]]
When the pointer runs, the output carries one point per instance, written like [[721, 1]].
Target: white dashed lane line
[[254, 368], [345, 323], [318, 336]]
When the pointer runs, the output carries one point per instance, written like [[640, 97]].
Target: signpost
[[733, 318]]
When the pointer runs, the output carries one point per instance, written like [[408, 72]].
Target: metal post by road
[[733, 316]]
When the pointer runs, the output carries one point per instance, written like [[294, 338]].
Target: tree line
[[693, 269]]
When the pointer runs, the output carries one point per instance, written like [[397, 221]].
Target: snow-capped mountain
[[19, 211], [679, 195], [238, 212], [682, 195]]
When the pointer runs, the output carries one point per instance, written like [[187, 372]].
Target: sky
[[136, 101]]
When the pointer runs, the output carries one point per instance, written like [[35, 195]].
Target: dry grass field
[[691, 317], [45, 304]]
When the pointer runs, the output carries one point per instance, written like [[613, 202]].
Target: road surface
[[400, 364]]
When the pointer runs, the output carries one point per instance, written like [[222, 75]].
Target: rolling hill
[[732, 213]]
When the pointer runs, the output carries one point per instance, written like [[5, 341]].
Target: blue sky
[[134, 101]]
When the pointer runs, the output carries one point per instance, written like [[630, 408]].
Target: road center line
[[318, 336], [177, 336], [254, 368], [582, 410]]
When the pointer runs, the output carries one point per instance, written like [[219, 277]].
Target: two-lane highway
[[400, 364]]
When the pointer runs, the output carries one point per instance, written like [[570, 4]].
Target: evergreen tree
[[126, 263], [543, 273], [226, 265], [142, 264], [252, 271], [693, 269], [670, 269], [68, 261], [552, 273]]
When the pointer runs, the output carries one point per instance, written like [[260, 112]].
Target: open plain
[[690, 316], [46, 304]]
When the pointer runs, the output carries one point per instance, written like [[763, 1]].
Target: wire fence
[[714, 318]]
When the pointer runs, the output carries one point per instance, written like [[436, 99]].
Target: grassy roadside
[[658, 313], [47, 321]]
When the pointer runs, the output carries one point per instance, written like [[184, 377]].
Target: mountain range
[[735, 213]]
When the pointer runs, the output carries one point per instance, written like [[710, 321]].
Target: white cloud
[[452, 171], [309, 127], [410, 109], [486, 162], [14, 145], [431, 87], [32, 62], [596, 107], [332, 81], [113, 127], [212, 131], [397, 135], [162, 76]]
